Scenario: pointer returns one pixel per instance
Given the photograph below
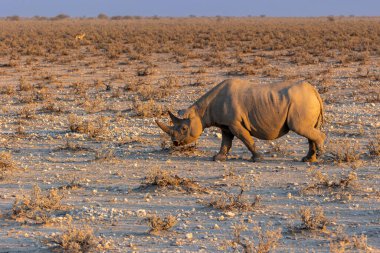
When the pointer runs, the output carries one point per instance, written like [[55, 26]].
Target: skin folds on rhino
[[242, 109]]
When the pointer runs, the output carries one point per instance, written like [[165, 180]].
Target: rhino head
[[184, 130]]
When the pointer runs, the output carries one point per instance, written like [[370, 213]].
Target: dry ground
[[77, 121]]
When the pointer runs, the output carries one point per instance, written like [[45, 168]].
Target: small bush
[[146, 71], [28, 111], [53, 106], [8, 90], [25, 86], [148, 109], [374, 146], [323, 182], [340, 244], [259, 61], [343, 151], [267, 240], [104, 154], [313, 219], [37, 206], [231, 202], [93, 128], [77, 240], [93, 106], [7, 164], [163, 179], [271, 71], [158, 224]]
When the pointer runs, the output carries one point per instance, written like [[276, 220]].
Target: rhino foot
[[310, 159], [257, 157], [220, 157]]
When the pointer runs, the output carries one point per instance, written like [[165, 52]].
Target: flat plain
[[84, 167]]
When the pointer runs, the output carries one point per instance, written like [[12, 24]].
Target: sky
[[91, 8]]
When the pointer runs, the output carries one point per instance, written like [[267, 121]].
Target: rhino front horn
[[164, 127]]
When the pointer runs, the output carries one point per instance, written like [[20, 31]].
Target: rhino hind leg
[[227, 138], [316, 139], [312, 154], [243, 134]]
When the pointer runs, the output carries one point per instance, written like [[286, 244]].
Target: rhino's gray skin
[[243, 109]]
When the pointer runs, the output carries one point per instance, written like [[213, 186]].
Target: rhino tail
[[321, 119]]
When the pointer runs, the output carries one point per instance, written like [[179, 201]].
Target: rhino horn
[[164, 127], [174, 119]]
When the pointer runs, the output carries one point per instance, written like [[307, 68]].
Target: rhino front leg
[[243, 134], [227, 138]]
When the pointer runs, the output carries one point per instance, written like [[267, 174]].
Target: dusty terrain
[[77, 115]]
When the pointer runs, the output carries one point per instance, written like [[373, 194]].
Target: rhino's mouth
[[180, 142]]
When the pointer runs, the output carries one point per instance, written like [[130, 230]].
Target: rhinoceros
[[244, 109]]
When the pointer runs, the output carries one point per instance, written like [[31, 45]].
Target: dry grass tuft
[[94, 105], [37, 206], [158, 224], [146, 71], [8, 90], [360, 242], [28, 111], [105, 153], [323, 182], [343, 151], [313, 219], [25, 86], [231, 202], [267, 240], [95, 128], [148, 108], [53, 106], [77, 240], [7, 164], [345, 242], [163, 179], [374, 146]]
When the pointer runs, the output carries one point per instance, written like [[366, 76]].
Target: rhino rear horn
[[164, 127], [174, 119]]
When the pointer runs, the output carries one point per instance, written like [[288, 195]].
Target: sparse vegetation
[[79, 91], [159, 178], [374, 146], [322, 182], [313, 219], [75, 239], [267, 240], [148, 109], [231, 202], [37, 206], [96, 128], [7, 164], [158, 224], [343, 151], [105, 153], [345, 242]]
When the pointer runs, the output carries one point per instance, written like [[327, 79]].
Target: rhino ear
[[174, 119], [189, 113]]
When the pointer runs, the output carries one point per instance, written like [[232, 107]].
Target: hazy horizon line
[[185, 16]]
